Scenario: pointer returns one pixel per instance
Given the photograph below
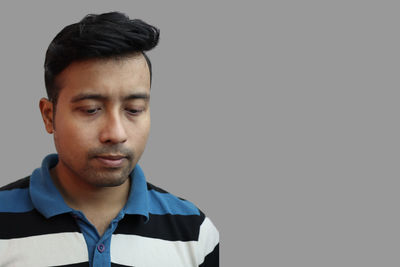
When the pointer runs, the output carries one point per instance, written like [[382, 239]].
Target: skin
[[100, 127]]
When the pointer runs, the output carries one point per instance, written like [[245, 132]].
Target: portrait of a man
[[90, 203]]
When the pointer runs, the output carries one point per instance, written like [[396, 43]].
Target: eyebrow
[[88, 96], [143, 96]]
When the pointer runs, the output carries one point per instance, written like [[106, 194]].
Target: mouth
[[111, 156], [113, 161]]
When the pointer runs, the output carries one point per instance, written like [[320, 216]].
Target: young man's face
[[102, 119]]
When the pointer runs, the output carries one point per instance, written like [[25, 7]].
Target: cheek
[[70, 135], [146, 129], [140, 134]]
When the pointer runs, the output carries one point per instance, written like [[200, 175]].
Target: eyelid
[[94, 109], [87, 109], [137, 111]]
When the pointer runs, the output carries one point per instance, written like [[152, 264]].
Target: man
[[90, 204]]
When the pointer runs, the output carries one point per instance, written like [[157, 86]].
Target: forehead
[[108, 77]]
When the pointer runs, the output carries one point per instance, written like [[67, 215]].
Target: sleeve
[[208, 244]]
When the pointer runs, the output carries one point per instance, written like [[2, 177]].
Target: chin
[[108, 179], [110, 182]]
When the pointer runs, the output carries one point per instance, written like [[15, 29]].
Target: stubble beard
[[106, 176]]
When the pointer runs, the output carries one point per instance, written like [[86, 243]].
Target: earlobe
[[46, 109]]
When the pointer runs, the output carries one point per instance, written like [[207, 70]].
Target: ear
[[46, 109]]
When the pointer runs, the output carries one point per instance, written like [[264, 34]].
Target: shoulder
[[192, 223], [162, 202], [182, 211], [15, 197]]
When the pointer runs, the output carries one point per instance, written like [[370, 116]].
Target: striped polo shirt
[[154, 229]]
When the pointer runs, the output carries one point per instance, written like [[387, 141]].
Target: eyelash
[[91, 111], [132, 112]]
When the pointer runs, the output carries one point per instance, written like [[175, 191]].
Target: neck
[[99, 204]]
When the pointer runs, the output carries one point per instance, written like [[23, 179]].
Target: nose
[[113, 130]]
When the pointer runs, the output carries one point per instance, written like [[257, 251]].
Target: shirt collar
[[47, 199], [45, 196], [137, 201]]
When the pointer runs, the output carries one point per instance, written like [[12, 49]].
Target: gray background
[[279, 119]]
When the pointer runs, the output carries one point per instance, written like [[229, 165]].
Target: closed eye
[[91, 111], [134, 112]]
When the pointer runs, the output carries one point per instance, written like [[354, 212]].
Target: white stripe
[[134, 250], [44, 250], [208, 239]]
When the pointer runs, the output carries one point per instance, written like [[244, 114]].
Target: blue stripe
[[165, 203], [16, 200]]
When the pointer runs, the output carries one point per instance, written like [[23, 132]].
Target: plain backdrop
[[279, 119]]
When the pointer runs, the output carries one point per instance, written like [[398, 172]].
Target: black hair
[[103, 36]]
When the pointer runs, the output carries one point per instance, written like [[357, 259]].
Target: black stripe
[[15, 225], [21, 183], [212, 259], [160, 190], [82, 264], [166, 227], [155, 188], [120, 265]]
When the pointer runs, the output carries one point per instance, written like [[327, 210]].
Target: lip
[[113, 161], [111, 156]]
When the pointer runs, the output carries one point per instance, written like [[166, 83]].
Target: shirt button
[[101, 248]]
